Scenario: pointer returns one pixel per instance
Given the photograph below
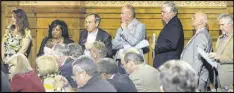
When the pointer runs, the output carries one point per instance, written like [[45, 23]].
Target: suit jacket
[[96, 84], [28, 82], [170, 42], [146, 79], [226, 55], [43, 43], [132, 35], [122, 83], [225, 70], [66, 71], [102, 36], [5, 84], [190, 54]]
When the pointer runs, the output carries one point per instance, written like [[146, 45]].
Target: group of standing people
[[131, 34]]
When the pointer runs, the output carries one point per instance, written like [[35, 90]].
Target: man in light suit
[[224, 52], [202, 40], [145, 77], [170, 41], [93, 33], [109, 70], [131, 32]]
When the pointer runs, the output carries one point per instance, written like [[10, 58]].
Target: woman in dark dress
[[58, 34]]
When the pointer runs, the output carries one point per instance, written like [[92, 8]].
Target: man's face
[[195, 20], [125, 14], [127, 66], [166, 14], [91, 24], [79, 78], [224, 26]]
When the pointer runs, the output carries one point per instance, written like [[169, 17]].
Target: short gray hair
[[107, 65], [172, 6], [97, 17], [100, 48], [227, 17], [85, 64], [75, 50], [178, 76], [132, 56], [61, 50]]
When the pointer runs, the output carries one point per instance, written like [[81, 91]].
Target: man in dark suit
[[61, 52], [109, 70], [170, 41], [93, 33]]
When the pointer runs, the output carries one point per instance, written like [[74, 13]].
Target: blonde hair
[[21, 63], [46, 64]]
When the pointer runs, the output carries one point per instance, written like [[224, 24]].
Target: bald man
[[202, 40]]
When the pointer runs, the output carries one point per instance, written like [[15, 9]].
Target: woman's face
[[57, 32], [13, 19]]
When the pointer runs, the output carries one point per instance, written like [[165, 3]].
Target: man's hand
[[124, 25], [212, 55]]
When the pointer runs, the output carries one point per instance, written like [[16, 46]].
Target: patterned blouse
[[13, 43]]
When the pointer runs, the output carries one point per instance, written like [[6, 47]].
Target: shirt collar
[[112, 76], [203, 28], [94, 33]]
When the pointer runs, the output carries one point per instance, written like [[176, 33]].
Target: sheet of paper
[[212, 62]]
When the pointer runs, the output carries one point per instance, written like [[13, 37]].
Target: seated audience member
[[224, 53], [75, 50], [94, 33], [23, 77], [131, 33], [122, 53], [57, 34], [5, 84], [145, 77], [47, 68], [61, 52], [109, 70], [98, 50], [177, 76], [87, 77]]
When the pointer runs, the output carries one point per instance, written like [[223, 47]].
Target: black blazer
[[66, 71], [122, 83], [170, 42], [43, 43], [102, 36]]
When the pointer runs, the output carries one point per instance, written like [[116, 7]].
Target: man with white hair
[[202, 40], [224, 52], [170, 41]]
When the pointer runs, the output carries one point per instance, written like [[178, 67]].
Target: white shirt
[[90, 39], [92, 36]]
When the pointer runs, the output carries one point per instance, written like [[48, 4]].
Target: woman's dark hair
[[63, 27], [21, 20]]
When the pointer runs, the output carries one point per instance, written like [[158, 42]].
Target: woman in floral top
[[17, 37]]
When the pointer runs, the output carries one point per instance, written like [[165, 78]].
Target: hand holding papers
[[212, 62]]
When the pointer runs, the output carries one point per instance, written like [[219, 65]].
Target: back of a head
[[85, 64], [107, 65], [61, 49], [134, 57], [178, 76], [171, 5], [46, 65], [75, 50], [21, 64], [203, 16], [123, 52], [100, 48]]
